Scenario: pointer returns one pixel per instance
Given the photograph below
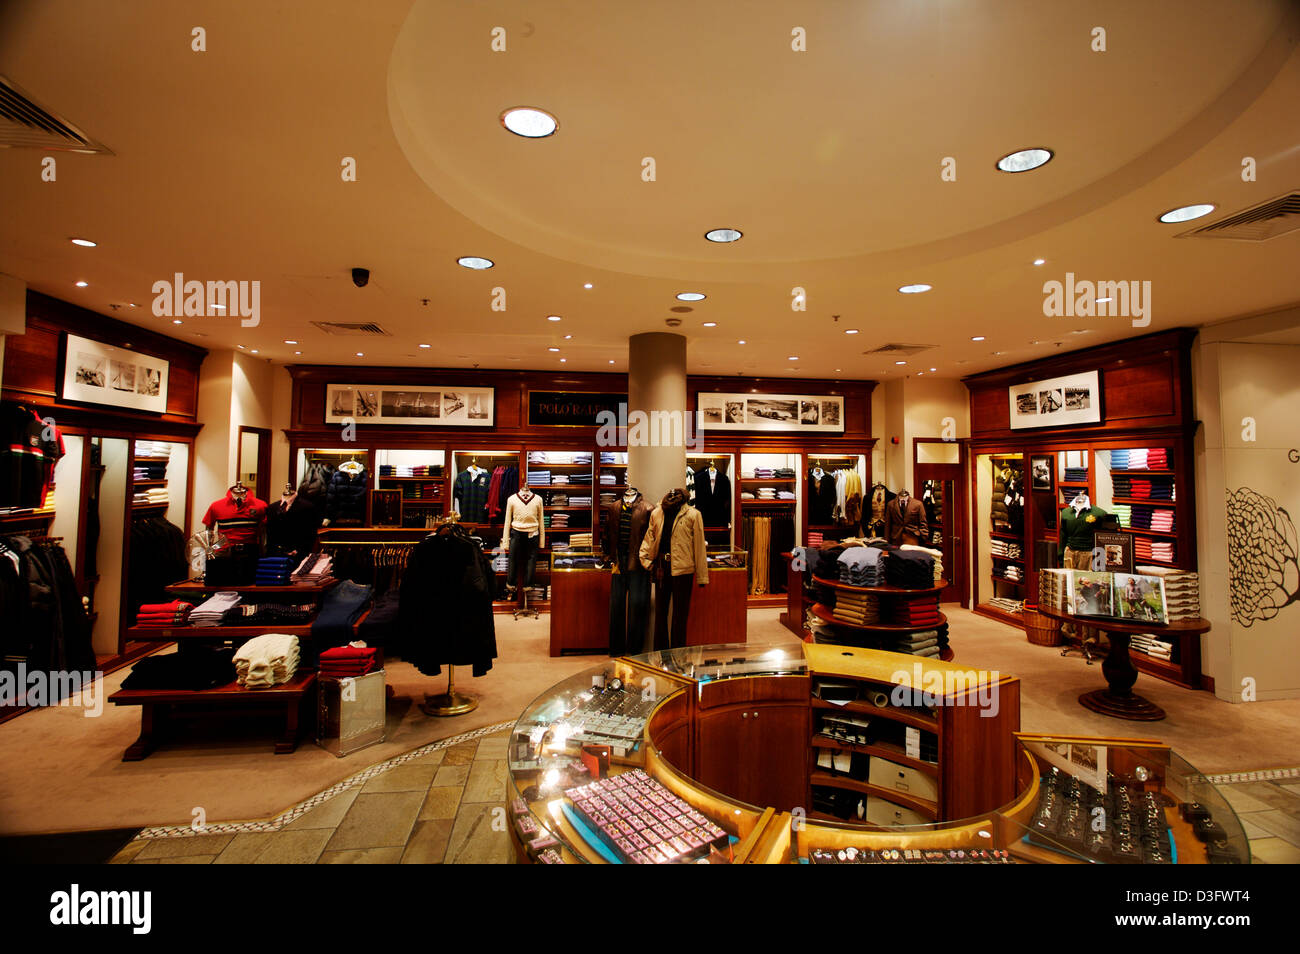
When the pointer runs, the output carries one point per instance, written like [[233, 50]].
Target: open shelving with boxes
[[418, 483]]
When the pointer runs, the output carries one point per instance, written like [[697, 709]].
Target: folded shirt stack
[[1158, 458], [580, 541], [273, 571], [270, 614], [860, 566], [1137, 458], [314, 568], [1161, 551], [611, 457], [608, 498], [911, 569], [783, 473], [576, 479], [347, 662], [265, 661], [149, 470], [209, 612], [921, 613], [198, 668], [1005, 548], [1124, 513], [559, 499], [152, 495], [936, 555], [582, 457], [1009, 571], [1076, 475], [539, 478], [582, 501], [763, 473], [861, 609], [559, 521], [766, 493], [153, 449], [608, 479], [1119, 459], [785, 495], [746, 495], [814, 538], [175, 613]]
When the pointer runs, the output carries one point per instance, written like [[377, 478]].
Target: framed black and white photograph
[[770, 412], [1056, 402], [442, 406], [97, 373], [1040, 473]]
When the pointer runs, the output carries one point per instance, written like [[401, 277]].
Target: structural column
[[658, 422]]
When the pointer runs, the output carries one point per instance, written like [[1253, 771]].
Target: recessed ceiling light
[[690, 296], [978, 338], [710, 324], [611, 360], [426, 346], [361, 354], [254, 351], [552, 317], [475, 262], [82, 284], [1186, 213], [289, 341], [587, 285], [837, 369], [793, 357], [915, 289], [552, 349], [297, 352], [84, 243], [900, 362], [741, 341], [934, 369], [529, 122], [563, 360], [177, 321], [723, 235], [567, 337], [997, 352], [1024, 160], [1040, 261], [238, 346], [850, 331]]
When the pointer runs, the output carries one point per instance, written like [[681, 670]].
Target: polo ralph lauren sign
[[572, 408]]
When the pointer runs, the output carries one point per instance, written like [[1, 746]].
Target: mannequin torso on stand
[[674, 549]]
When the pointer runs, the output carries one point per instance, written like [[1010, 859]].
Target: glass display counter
[[611, 766]]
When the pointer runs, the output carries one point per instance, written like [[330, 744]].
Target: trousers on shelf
[[674, 590], [521, 555], [629, 607]]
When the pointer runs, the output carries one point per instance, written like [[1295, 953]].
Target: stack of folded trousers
[[910, 569], [175, 613], [861, 609], [346, 662], [273, 571], [265, 661], [860, 566]]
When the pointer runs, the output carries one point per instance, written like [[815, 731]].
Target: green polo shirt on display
[[1077, 531]]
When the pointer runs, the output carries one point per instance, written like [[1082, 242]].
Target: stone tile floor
[[437, 808]]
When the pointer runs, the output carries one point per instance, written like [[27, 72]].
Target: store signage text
[[1086, 299], [571, 408]]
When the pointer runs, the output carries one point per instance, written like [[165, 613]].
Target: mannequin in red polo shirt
[[239, 516]]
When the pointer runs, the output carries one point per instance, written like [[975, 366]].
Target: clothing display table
[[1119, 700], [293, 699]]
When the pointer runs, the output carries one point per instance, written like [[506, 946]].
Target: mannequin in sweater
[[522, 536]]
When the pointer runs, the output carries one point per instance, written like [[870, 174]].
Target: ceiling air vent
[[890, 349], [1259, 223], [352, 328], [24, 125]]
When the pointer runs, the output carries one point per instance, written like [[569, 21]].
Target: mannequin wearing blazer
[[713, 497], [905, 522]]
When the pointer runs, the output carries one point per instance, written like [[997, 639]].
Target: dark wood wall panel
[[1145, 382], [32, 370]]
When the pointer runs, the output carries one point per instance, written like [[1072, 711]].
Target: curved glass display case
[[659, 758]]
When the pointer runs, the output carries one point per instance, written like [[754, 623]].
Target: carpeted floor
[[65, 771]]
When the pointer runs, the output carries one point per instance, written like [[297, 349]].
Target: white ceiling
[[226, 165]]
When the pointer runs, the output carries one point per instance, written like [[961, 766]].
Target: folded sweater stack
[[346, 662], [175, 613], [273, 571], [266, 661]]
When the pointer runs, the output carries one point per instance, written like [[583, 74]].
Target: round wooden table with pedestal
[[1118, 699]]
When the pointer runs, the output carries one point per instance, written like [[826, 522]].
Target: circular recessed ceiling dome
[[723, 235], [915, 289], [475, 262], [690, 296], [529, 122], [814, 199]]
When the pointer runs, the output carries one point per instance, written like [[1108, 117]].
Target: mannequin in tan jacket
[[676, 559]]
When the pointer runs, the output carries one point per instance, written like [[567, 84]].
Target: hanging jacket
[[345, 498], [445, 605], [821, 498], [291, 528], [713, 498]]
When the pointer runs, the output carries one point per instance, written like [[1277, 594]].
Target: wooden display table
[[157, 704], [197, 589], [1119, 700]]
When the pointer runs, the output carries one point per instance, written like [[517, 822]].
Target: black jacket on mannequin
[[821, 498], [445, 609], [713, 498]]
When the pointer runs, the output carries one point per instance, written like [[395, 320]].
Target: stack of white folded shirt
[[937, 554], [209, 612], [265, 661]]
